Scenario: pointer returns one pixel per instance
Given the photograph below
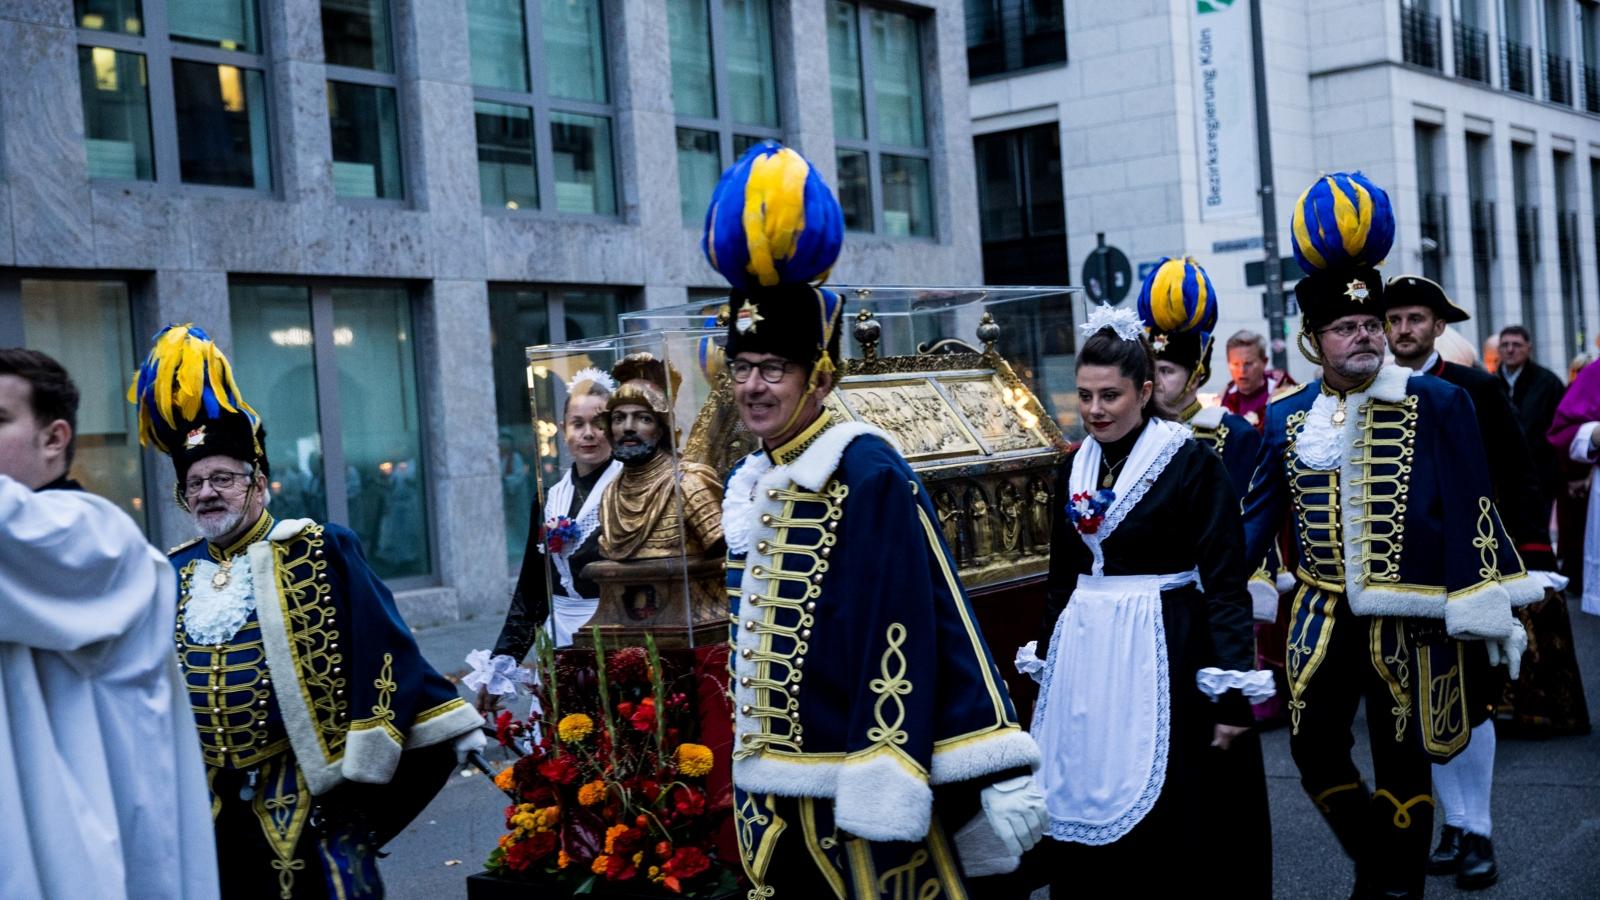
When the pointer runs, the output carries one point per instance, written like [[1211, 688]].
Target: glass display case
[[974, 387]]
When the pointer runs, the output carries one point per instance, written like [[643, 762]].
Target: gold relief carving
[[1039, 513], [914, 414], [982, 524], [998, 413], [944, 503], [1011, 518]]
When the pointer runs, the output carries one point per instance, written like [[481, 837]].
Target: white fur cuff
[[975, 757], [1256, 686], [879, 799]]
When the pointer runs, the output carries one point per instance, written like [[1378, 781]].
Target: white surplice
[[102, 789], [1582, 450]]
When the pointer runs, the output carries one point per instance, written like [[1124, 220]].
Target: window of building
[[724, 90], [86, 325], [1589, 38], [1516, 56], [542, 104], [174, 92], [1572, 314], [1433, 205], [1021, 212], [884, 165], [1557, 60], [363, 100], [1527, 225], [1480, 192], [1419, 34], [1013, 35], [521, 316], [332, 371], [1472, 41]]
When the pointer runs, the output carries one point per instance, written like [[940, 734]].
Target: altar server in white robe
[[102, 791]]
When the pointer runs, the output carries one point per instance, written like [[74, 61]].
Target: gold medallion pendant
[[1338, 413], [1108, 481], [224, 572]]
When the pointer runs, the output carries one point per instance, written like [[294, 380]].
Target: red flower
[[540, 795], [629, 666], [627, 843], [687, 801], [560, 769], [524, 853], [620, 868], [644, 717], [685, 864]]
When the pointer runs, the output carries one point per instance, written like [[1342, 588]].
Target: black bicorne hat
[[1415, 290]]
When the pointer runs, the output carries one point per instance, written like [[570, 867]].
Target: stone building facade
[[332, 190]]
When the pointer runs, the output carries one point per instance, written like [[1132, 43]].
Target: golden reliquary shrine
[[974, 386]]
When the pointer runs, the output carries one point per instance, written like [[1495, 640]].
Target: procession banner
[[1224, 100]]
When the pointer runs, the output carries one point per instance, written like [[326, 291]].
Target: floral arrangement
[[614, 795], [1088, 510], [557, 533]]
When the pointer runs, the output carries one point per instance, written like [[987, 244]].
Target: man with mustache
[[322, 728], [1400, 554], [639, 511]]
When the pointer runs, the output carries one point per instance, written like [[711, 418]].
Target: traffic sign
[[1107, 274]]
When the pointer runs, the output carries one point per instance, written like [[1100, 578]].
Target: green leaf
[[586, 886]]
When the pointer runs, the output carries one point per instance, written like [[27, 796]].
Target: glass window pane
[[907, 200], [506, 173], [385, 479], [855, 190], [574, 49], [699, 167], [844, 71], [499, 44], [116, 114], [999, 187], [741, 143], [275, 361], [121, 16], [1047, 211], [222, 124], [229, 24], [752, 86], [365, 128], [896, 78], [689, 40], [84, 325], [589, 314], [581, 150], [355, 33], [518, 318]]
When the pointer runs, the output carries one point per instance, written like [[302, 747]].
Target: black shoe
[[1447, 857], [1477, 869]]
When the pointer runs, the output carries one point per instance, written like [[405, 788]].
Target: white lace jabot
[[214, 615]]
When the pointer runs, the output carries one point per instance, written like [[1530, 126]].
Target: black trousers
[[1336, 660]]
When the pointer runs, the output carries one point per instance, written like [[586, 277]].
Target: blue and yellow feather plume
[[1342, 220], [772, 221], [185, 379], [1178, 296]]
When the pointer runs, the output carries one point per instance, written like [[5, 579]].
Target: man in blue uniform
[[877, 752], [1399, 551], [323, 730]]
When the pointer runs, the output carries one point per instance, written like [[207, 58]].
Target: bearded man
[[323, 730]]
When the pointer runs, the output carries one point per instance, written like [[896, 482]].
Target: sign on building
[[1224, 100]]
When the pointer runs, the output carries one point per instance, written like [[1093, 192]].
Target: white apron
[[568, 611], [1102, 721]]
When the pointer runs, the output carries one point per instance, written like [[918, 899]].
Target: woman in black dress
[[1151, 662]]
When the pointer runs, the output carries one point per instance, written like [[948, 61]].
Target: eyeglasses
[[1349, 329], [221, 482], [772, 371]]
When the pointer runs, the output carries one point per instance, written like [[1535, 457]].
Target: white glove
[[465, 744], [1508, 649], [1016, 812]]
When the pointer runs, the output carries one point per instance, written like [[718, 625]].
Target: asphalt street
[[1546, 808]]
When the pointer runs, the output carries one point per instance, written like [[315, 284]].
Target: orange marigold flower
[[506, 780], [600, 864], [575, 727], [592, 793], [694, 760], [612, 834], [563, 859]]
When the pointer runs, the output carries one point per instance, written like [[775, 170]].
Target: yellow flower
[[638, 857], [655, 874], [526, 821], [505, 780], [599, 865], [563, 860], [612, 834], [575, 727], [592, 793], [694, 760]]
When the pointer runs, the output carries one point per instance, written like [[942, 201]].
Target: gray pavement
[[1546, 808]]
